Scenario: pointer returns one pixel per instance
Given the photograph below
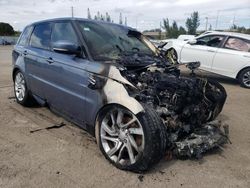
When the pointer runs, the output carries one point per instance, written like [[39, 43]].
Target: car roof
[[80, 19], [241, 35]]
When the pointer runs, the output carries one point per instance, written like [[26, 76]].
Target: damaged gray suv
[[111, 81]]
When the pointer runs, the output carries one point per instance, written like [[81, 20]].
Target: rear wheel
[[20, 89], [128, 141], [244, 78]]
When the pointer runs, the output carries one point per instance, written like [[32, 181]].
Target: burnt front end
[[187, 106]]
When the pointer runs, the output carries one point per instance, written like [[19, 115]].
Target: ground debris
[[11, 97], [209, 136], [141, 177], [62, 124]]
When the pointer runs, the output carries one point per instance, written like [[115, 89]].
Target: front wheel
[[171, 56], [244, 78], [128, 141]]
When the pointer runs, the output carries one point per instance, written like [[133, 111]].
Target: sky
[[141, 14]]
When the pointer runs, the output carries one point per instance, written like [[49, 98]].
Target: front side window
[[25, 36], [238, 44], [107, 41], [40, 37], [210, 40], [63, 31]]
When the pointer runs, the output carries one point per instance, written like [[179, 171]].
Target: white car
[[224, 53], [186, 37], [180, 37]]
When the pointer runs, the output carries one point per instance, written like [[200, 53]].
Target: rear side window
[[238, 44], [40, 37], [23, 41], [63, 31]]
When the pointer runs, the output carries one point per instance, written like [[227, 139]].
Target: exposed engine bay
[[187, 106]]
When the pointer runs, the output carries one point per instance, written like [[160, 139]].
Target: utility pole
[[160, 31], [216, 24], [206, 22], [120, 18], [234, 19], [72, 11]]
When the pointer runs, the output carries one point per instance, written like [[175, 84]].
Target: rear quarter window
[[24, 38]]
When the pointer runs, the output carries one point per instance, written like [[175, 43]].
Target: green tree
[[108, 18], [89, 15], [233, 27], [182, 30], [6, 29], [103, 17], [210, 27], [175, 29], [166, 26], [239, 29], [193, 23], [172, 31]]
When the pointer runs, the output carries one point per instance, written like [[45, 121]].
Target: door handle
[[25, 53], [50, 60]]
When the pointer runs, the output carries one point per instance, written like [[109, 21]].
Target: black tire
[[242, 76], [154, 135], [27, 99]]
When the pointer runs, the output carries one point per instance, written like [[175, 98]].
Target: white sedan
[[224, 53]]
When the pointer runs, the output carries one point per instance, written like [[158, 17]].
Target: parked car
[[224, 53], [111, 81], [158, 43], [5, 42]]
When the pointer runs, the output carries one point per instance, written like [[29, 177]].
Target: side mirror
[[66, 47], [192, 41]]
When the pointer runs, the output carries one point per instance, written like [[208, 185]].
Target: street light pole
[[216, 24], [206, 22], [72, 11]]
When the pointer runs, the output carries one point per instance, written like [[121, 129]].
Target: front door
[[203, 51], [67, 78]]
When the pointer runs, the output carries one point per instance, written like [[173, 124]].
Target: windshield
[[108, 41]]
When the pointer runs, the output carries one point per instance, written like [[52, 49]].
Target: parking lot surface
[[32, 156]]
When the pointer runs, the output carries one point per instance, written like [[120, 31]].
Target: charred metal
[[187, 106]]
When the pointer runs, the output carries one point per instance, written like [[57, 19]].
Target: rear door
[[232, 57], [203, 51], [19, 54], [66, 76], [37, 59]]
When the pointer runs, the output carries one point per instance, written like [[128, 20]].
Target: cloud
[[145, 14]]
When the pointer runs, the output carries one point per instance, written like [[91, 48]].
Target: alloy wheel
[[122, 136], [20, 86], [246, 79]]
